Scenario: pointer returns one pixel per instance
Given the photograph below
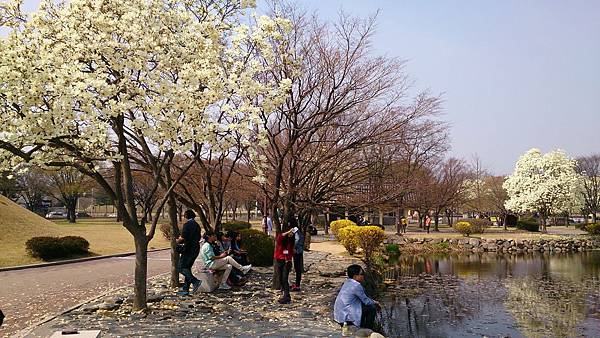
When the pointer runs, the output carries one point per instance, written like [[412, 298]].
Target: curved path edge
[[70, 261]]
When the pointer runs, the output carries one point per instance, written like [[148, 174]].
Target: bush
[[260, 247], [56, 247], [75, 244], [369, 239], [471, 226], [235, 226], [335, 226], [392, 249], [348, 238], [529, 224], [166, 230], [593, 228]]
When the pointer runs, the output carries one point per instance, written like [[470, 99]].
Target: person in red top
[[284, 254]]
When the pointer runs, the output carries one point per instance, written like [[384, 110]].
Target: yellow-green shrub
[[335, 226], [467, 227], [593, 228], [347, 236], [369, 239]]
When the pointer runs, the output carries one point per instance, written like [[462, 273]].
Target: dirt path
[[30, 295]]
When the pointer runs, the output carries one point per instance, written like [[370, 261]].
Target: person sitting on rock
[[352, 306], [239, 254], [221, 262]]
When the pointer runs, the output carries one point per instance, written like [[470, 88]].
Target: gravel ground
[[250, 311]]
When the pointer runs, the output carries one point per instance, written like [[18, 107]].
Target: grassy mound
[[17, 225]]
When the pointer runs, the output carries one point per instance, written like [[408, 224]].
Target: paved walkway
[[30, 295]]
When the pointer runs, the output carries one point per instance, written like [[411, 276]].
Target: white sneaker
[[246, 268], [224, 286]]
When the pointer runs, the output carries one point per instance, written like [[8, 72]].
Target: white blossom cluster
[[81, 72], [544, 183]]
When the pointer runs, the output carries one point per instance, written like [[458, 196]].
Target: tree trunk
[[71, 204], [435, 223], [172, 207], [141, 271]]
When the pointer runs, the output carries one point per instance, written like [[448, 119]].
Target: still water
[[493, 295]]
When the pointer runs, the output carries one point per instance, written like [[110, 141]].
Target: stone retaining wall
[[504, 245]]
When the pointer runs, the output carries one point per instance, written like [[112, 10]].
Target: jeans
[[298, 267], [283, 271], [186, 261]]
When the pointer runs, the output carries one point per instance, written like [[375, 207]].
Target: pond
[[493, 295]]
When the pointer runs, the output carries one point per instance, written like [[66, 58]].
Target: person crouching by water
[[352, 306], [190, 236], [284, 254]]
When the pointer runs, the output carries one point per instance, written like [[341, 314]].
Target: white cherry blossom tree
[[542, 183], [93, 84]]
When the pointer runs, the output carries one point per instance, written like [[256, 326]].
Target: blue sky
[[513, 74]]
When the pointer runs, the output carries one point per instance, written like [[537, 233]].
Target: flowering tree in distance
[[129, 84], [542, 183]]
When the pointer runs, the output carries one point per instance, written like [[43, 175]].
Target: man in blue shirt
[[352, 305]]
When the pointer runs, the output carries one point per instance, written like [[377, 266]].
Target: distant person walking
[[190, 238], [268, 224], [427, 223]]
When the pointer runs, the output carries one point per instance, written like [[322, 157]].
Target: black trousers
[[186, 261], [367, 319], [283, 272], [298, 267]]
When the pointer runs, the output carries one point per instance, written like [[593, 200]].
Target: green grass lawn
[[106, 236]]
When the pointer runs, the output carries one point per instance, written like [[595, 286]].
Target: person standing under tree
[[190, 237], [427, 223], [284, 254], [298, 257]]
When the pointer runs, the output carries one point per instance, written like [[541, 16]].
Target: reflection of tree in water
[[544, 307], [421, 303]]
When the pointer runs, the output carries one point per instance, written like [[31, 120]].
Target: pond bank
[[474, 244], [249, 311]]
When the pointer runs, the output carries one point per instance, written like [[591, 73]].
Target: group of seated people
[[221, 252]]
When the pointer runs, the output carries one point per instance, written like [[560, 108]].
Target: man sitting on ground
[[352, 306], [221, 262]]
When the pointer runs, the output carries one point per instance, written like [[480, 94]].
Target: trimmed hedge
[[347, 236], [471, 226], [529, 224], [260, 247], [56, 247], [370, 237], [367, 238], [335, 226], [235, 226], [593, 228]]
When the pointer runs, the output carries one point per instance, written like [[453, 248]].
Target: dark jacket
[[298, 242], [191, 236]]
